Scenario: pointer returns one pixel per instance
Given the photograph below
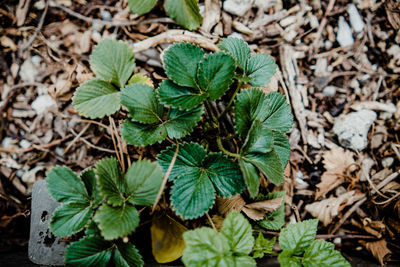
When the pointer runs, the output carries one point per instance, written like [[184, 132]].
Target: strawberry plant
[[184, 12], [214, 153]]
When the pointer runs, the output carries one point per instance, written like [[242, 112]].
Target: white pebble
[[344, 34], [41, 103], [355, 19]]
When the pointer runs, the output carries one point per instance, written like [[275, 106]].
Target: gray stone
[[154, 63], [352, 128], [238, 7], [44, 248], [152, 53], [329, 91]]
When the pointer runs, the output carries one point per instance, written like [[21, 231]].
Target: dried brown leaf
[[266, 205], [325, 210], [226, 205], [254, 214], [378, 249]]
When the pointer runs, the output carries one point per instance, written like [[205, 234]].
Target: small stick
[[38, 147], [121, 151], [348, 213], [211, 222], [115, 146], [166, 176], [76, 138], [90, 20]]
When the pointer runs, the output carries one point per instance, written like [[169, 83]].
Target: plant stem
[[231, 100], [219, 142]]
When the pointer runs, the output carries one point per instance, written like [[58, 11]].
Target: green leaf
[[282, 147], [197, 177], [113, 61], [215, 74], [126, 255], [238, 232], [141, 79], [272, 110], [250, 105], [189, 156], [251, 177], [276, 219], [141, 7], [176, 96], [92, 229], [269, 164], [298, 236], [88, 177], [89, 251], [111, 180], [261, 68], [138, 134], [192, 194], [142, 103], [96, 98], [263, 246], [177, 125], [180, 63], [206, 247], [287, 259], [322, 253], [70, 218], [279, 116], [126, 215], [238, 49], [185, 12], [143, 181], [65, 186]]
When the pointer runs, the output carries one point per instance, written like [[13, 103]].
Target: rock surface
[[44, 248], [352, 128]]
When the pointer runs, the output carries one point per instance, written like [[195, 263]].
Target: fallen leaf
[[325, 210], [253, 214], [226, 205], [166, 239], [378, 249], [336, 162]]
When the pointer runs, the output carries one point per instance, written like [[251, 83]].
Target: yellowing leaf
[[140, 78], [166, 239]]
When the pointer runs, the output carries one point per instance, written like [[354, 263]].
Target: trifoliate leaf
[[180, 63], [126, 255], [141, 7], [238, 232], [89, 251], [282, 147], [215, 74], [263, 246], [206, 247], [272, 110], [238, 49], [111, 180], [261, 68], [88, 177], [185, 12], [142, 103], [141, 79], [65, 186], [287, 259], [298, 236], [113, 61], [143, 181], [70, 218], [276, 219], [177, 125], [197, 177], [116, 221], [322, 253], [167, 239], [176, 96], [96, 98]]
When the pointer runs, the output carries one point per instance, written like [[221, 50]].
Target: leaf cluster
[[300, 248], [184, 12], [96, 200]]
